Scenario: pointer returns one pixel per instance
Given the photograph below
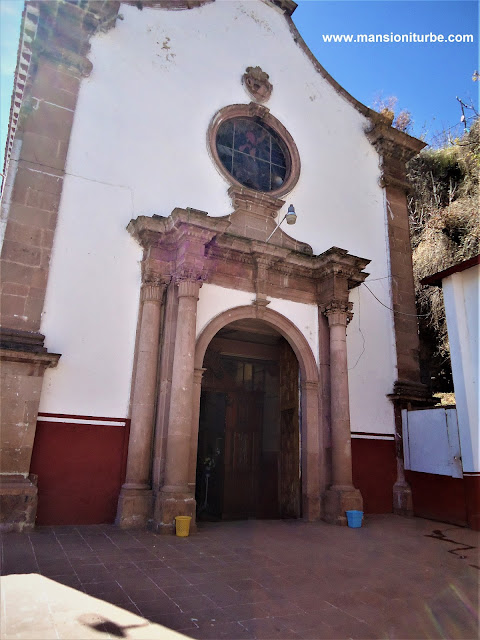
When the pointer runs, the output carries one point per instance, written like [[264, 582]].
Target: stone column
[[175, 497], [342, 495], [197, 392], [135, 501], [312, 452]]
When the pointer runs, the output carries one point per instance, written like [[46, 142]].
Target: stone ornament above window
[[257, 84], [253, 150]]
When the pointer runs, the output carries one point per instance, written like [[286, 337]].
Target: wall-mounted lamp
[[290, 217]]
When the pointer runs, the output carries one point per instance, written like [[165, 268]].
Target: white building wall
[[91, 305], [461, 296], [214, 300], [138, 147]]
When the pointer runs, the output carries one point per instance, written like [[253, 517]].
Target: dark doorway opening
[[248, 463]]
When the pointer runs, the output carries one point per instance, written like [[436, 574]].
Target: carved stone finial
[[257, 84]]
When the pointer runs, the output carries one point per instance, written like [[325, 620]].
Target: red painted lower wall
[[438, 497], [80, 469], [374, 473], [472, 498]]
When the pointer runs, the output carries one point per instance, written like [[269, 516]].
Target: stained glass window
[[252, 153]]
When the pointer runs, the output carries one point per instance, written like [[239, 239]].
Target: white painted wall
[[214, 300], [138, 147], [461, 296], [371, 360], [92, 302], [303, 316]]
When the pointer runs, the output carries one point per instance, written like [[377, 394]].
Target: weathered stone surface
[[18, 503]]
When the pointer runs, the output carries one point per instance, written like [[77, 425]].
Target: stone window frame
[[263, 116]]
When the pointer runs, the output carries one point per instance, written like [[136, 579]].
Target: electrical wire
[[401, 313], [363, 337]]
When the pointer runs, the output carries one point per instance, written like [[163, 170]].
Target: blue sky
[[426, 78]]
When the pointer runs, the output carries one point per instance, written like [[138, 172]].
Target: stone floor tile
[[321, 632], [143, 593], [281, 607], [176, 621], [209, 616], [227, 630], [301, 622], [239, 612], [267, 628], [182, 591], [151, 609], [192, 604], [387, 579]]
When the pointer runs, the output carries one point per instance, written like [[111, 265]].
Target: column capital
[[189, 280], [188, 288], [338, 312], [152, 291]]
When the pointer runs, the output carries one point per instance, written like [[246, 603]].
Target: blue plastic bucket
[[354, 518]]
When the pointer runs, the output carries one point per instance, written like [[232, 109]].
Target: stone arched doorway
[[269, 446]]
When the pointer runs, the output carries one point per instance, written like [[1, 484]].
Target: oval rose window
[[253, 153]]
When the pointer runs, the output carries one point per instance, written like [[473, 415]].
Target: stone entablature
[[233, 261]]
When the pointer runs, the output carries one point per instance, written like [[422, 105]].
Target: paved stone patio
[[253, 579]]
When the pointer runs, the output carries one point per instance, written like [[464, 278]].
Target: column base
[[135, 506], [170, 504], [18, 503], [339, 499], [402, 499], [312, 508]]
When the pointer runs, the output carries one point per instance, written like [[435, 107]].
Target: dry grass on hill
[[445, 230]]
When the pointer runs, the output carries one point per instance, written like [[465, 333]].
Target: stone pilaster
[[312, 454], [342, 495], [51, 65], [176, 498], [23, 360], [135, 500], [164, 385], [396, 149], [197, 391]]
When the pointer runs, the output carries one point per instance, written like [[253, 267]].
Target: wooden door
[[290, 502], [243, 430]]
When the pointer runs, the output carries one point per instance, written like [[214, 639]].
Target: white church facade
[[169, 344]]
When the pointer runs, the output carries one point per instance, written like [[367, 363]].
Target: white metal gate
[[431, 443]]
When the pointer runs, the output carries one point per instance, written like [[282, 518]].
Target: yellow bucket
[[182, 526]]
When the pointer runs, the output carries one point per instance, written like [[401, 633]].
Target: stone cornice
[[216, 254], [405, 391], [161, 231], [398, 183], [65, 29], [393, 144], [25, 346], [44, 359], [287, 6], [173, 5]]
